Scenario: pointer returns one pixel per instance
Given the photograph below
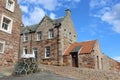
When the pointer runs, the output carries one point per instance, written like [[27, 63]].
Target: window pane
[[39, 36], [25, 50], [35, 52], [25, 37], [51, 33], [1, 47], [5, 23], [47, 51], [10, 5]]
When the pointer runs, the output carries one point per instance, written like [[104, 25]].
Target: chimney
[[68, 12]]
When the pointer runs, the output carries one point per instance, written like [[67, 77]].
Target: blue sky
[[93, 19]]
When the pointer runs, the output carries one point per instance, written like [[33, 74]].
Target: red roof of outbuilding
[[86, 47]]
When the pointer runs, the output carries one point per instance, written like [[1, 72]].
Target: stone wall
[[110, 64], [68, 34], [45, 25], [86, 61], [11, 48], [83, 73]]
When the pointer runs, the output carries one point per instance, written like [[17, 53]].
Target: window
[[51, 33], [47, 52], [25, 50], [10, 5], [69, 33], [35, 52], [2, 44], [6, 24], [39, 36], [26, 37], [64, 29]]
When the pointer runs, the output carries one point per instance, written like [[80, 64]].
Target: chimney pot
[[68, 12]]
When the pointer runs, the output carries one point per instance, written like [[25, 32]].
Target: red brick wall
[[10, 55]]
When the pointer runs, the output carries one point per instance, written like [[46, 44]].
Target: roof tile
[[86, 47]]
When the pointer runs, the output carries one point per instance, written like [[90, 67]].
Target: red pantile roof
[[86, 47]]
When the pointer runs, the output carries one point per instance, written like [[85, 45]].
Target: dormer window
[[10, 4], [51, 34], [6, 24]]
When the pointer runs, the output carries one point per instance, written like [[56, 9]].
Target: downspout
[[22, 25], [31, 42], [57, 26]]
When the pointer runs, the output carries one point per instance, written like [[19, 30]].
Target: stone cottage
[[10, 22], [48, 39], [88, 54]]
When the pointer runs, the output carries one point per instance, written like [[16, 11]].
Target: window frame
[[12, 7], [25, 40], [10, 25], [46, 52], [51, 33], [25, 47], [39, 37], [3, 42], [35, 50]]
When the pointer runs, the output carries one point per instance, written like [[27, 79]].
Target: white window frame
[[35, 50], [39, 36], [25, 35], [25, 47], [9, 26], [51, 34], [46, 52], [12, 7], [3, 42]]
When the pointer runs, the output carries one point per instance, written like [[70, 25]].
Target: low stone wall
[[83, 73]]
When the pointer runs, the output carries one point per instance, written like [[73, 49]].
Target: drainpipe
[[19, 47], [19, 52], [31, 41], [57, 25]]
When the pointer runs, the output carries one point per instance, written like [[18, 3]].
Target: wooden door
[[75, 60]]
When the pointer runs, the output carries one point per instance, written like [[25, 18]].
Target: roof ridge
[[58, 18], [86, 41]]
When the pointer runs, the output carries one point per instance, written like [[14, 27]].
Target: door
[[74, 59], [35, 53]]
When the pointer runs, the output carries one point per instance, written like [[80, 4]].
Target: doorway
[[74, 59]]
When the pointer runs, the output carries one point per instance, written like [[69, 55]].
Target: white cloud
[[113, 17], [52, 15], [24, 8], [99, 3], [117, 58], [47, 4], [35, 9], [34, 17], [108, 11]]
